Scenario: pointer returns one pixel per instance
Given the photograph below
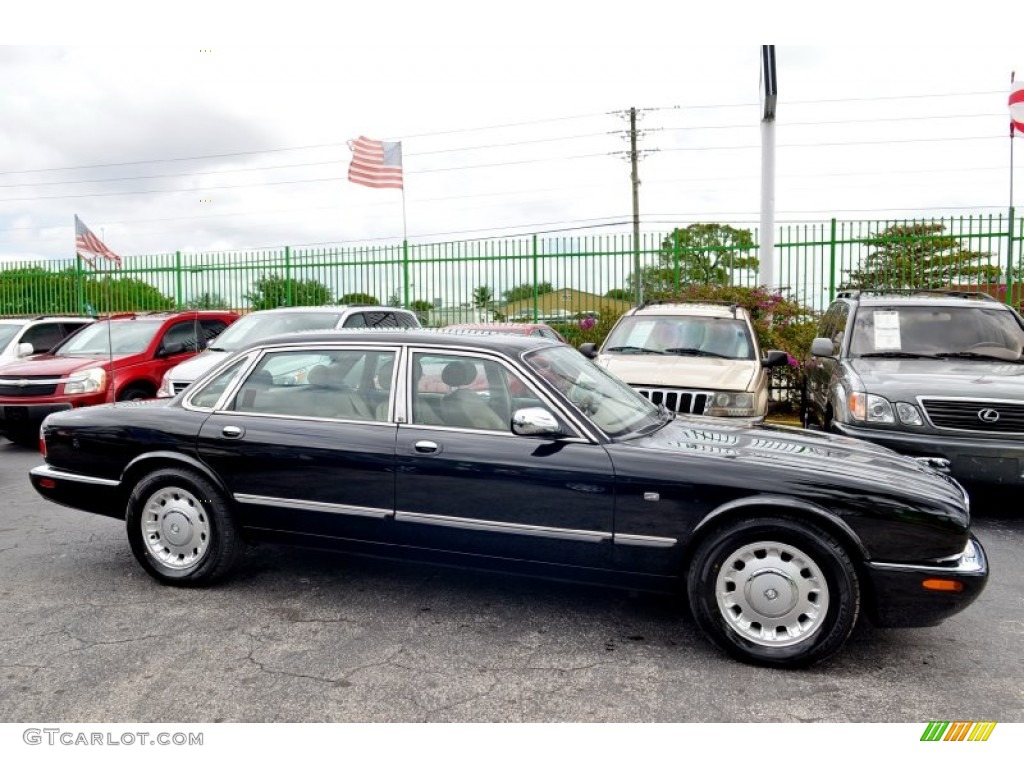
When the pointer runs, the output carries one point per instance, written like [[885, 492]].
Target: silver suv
[[24, 336], [937, 374], [271, 322], [692, 357]]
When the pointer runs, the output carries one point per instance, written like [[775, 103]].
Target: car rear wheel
[[775, 592], [132, 392], [181, 529]]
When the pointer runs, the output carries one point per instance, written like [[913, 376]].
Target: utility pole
[[635, 177], [769, 98]]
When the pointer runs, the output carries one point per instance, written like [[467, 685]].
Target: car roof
[[496, 327], [336, 309], [923, 298], [690, 308], [46, 319], [506, 343]]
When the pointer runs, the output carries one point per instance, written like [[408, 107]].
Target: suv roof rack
[[732, 305], [948, 292]]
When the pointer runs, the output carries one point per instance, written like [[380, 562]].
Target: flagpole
[[1011, 149]]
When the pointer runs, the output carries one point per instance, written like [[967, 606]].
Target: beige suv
[[697, 358]]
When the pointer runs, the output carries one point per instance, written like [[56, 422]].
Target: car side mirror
[[589, 349], [775, 358], [535, 422], [25, 349], [822, 347], [174, 348]]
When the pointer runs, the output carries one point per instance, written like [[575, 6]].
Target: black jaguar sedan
[[518, 453]]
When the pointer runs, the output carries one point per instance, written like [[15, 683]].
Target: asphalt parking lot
[[298, 635]]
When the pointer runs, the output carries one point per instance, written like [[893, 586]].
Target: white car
[[24, 336], [696, 358], [272, 322]]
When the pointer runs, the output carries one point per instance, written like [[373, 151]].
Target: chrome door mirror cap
[[822, 347], [532, 422]]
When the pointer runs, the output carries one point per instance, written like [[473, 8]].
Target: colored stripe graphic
[[944, 730]]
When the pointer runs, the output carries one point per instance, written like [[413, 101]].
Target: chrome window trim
[[636, 540], [45, 470], [314, 506], [495, 526]]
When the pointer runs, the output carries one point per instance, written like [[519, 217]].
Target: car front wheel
[[181, 529], [774, 591]]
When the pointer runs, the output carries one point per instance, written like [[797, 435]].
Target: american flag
[[376, 163], [86, 241]]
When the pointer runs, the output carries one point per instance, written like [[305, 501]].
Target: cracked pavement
[[308, 636]]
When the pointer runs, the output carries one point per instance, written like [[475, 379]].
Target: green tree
[[421, 305], [35, 290], [358, 298], [909, 256], [526, 291], [271, 291], [483, 297], [208, 300], [700, 254], [622, 294]]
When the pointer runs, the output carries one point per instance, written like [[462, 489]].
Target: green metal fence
[[536, 276]]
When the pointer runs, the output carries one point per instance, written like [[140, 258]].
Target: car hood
[[778, 450], [910, 379], [681, 371], [194, 367], [48, 365]]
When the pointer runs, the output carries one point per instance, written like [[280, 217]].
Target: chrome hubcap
[[772, 594], [175, 528]]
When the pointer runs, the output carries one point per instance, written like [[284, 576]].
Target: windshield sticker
[[887, 330]]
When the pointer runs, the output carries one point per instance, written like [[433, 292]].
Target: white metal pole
[[766, 235]]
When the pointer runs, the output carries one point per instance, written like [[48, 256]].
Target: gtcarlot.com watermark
[[60, 737]]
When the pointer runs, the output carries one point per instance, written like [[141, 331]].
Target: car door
[[306, 455], [466, 483], [820, 376]]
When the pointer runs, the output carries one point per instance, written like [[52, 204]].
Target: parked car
[[782, 537], [122, 358], [522, 329], [271, 322], [25, 336], [936, 374], [691, 357]]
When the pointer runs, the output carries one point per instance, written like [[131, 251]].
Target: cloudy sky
[[224, 144]]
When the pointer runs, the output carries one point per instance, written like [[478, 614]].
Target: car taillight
[[42, 442]]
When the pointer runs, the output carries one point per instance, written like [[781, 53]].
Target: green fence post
[[80, 284], [177, 275], [832, 264], [675, 260], [287, 275], [536, 275], [405, 273]]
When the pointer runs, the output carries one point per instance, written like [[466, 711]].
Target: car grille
[[28, 386], [678, 400], [975, 415]]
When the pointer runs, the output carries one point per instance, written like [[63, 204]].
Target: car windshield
[[261, 326], [923, 331], [685, 335], [614, 407], [117, 337], [7, 332]]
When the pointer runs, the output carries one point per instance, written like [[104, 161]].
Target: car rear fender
[[145, 463], [768, 505]]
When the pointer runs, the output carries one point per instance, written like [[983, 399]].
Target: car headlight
[[731, 404], [870, 408], [84, 382], [166, 387], [909, 414]]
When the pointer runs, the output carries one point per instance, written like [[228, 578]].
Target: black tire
[[24, 438], [794, 562], [134, 392], [181, 529]]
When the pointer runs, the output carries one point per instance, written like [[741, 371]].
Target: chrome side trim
[[313, 506], [45, 470], [29, 382], [635, 540], [498, 527]]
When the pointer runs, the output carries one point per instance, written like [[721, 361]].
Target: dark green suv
[[932, 374]]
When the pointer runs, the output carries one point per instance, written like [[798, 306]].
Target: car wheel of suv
[[132, 392], [181, 529], [774, 592]]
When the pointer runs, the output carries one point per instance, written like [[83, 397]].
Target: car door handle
[[232, 432], [425, 446]]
